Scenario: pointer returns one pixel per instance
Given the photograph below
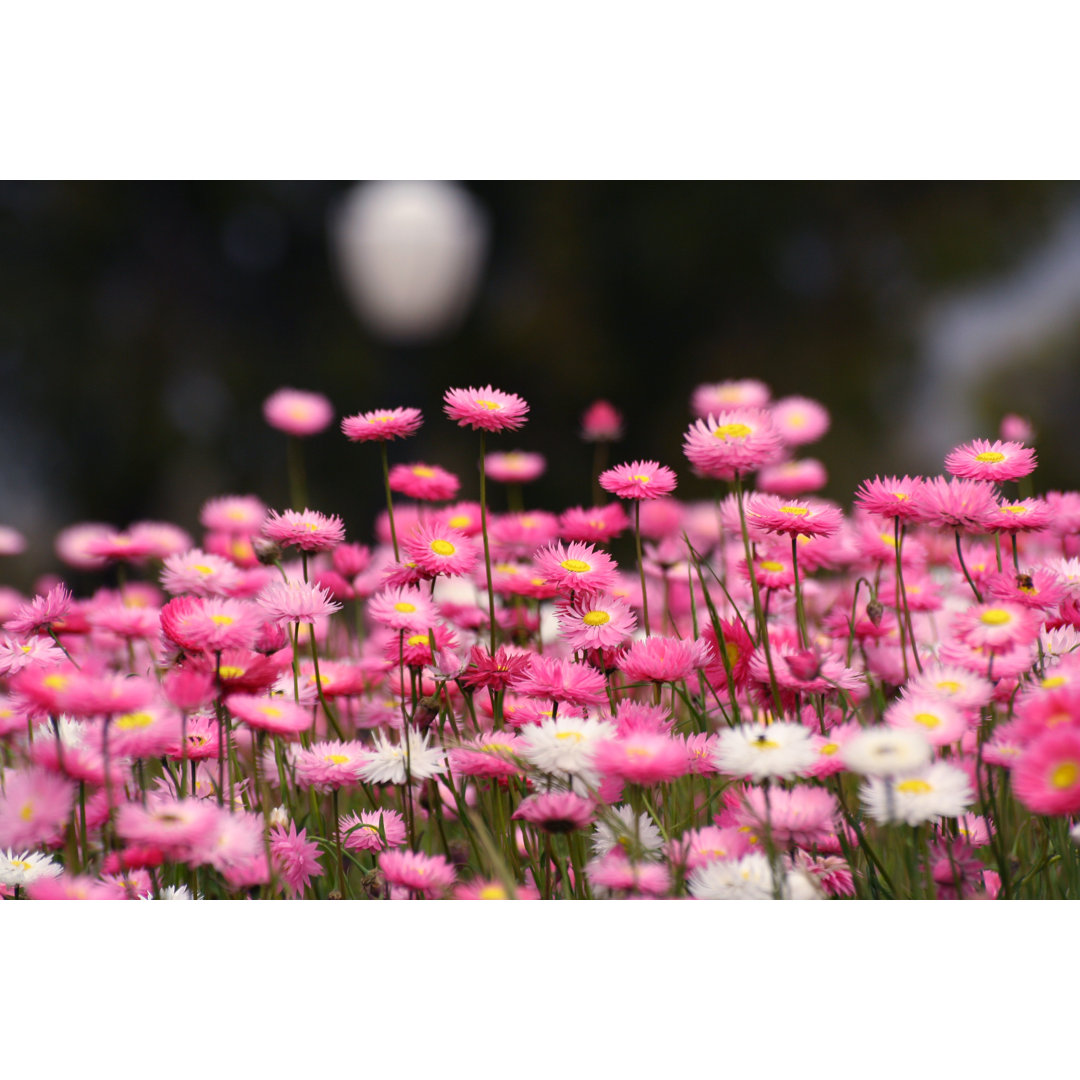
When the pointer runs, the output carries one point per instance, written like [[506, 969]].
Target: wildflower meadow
[[765, 695]]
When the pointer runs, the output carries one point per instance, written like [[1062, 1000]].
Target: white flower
[[723, 879], [608, 835], [761, 750], [885, 751], [26, 868], [173, 892], [1074, 833], [279, 816], [387, 762], [939, 790], [564, 746]]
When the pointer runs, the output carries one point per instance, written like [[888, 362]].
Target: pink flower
[[1017, 428], [485, 409], [519, 535], [495, 672], [40, 613], [178, 826], [243, 514], [983, 460], [800, 816], [490, 754], [663, 659], [616, 872], [427, 482], [953, 504], [793, 477], [576, 566], [736, 441], [799, 420], [642, 758], [597, 525], [401, 608], [793, 517], [309, 531], [295, 858], [34, 807], [997, 627], [440, 551], [556, 811], [298, 412], [200, 573], [601, 422], [273, 714], [382, 425], [595, 621], [1046, 779], [561, 680], [295, 601], [934, 718], [730, 394], [211, 624], [361, 832], [328, 765], [889, 498], [638, 480], [1027, 515], [517, 467], [429, 875]]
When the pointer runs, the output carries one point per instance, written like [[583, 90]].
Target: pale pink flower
[[382, 425], [34, 807], [429, 875], [735, 441], [996, 461], [309, 530], [485, 409], [663, 659], [298, 412], [295, 858], [799, 420], [295, 601], [515, 467], [426, 482], [41, 613], [361, 831], [639, 480]]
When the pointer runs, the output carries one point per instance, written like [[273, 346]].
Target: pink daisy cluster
[[758, 694]]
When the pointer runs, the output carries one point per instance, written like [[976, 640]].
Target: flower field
[[766, 695]]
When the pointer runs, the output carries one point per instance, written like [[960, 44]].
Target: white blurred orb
[[410, 253]]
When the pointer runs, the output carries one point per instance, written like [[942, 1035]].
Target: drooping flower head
[[382, 425], [996, 461], [298, 412], [485, 409]]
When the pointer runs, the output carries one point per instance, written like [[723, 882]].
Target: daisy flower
[[1027, 515], [41, 613], [26, 868], [750, 878], [212, 624], [440, 551], [638, 480], [295, 858], [274, 714], [334, 764], [34, 807], [427, 482], [295, 601], [664, 659], [794, 517], [401, 608], [883, 751], [642, 758], [757, 751], [933, 717], [620, 828], [298, 412], [308, 530], [996, 627], [516, 467], [561, 680], [938, 790], [556, 811], [576, 566], [485, 409], [735, 441], [953, 504], [799, 420], [385, 762], [594, 621], [382, 425], [601, 422], [1046, 779], [996, 461], [565, 746]]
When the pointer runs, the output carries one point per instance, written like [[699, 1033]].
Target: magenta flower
[[595, 621], [360, 831], [427, 482], [429, 875], [295, 601], [891, 497], [382, 425], [597, 525], [642, 758], [576, 566], [486, 409], [996, 461], [1046, 779], [516, 467], [793, 477], [793, 517], [602, 422], [561, 680], [953, 504], [34, 807], [638, 480], [799, 420], [309, 530], [295, 858], [664, 659], [298, 412], [41, 613], [440, 551], [556, 811], [236, 514], [736, 441], [274, 714]]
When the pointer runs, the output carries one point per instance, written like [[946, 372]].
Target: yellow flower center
[[890, 540], [424, 471], [230, 671], [460, 521], [1015, 508], [1064, 775], [491, 406], [798, 511], [133, 721], [732, 651], [995, 617], [990, 457], [311, 526], [336, 759], [493, 892], [771, 566], [442, 547], [575, 736], [55, 682], [596, 618], [497, 748], [949, 686], [202, 569], [641, 477], [418, 639], [222, 620], [23, 866], [927, 719], [404, 606], [914, 787], [27, 811], [733, 431], [575, 566], [271, 712], [1054, 682], [761, 743], [830, 748]]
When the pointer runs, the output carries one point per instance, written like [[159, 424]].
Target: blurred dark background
[[143, 324]]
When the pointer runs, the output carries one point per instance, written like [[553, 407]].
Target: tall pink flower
[[41, 613], [295, 601], [1047, 777], [638, 480], [309, 530], [485, 409], [597, 525], [793, 517], [516, 467], [996, 461], [382, 425], [736, 441], [953, 504], [576, 566], [663, 659], [273, 714], [891, 497], [440, 551], [295, 857], [561, 680], [298, 412], [602, 422], [642, 758], [419, 481], [799, 420], [34, 807], [429, 875]]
